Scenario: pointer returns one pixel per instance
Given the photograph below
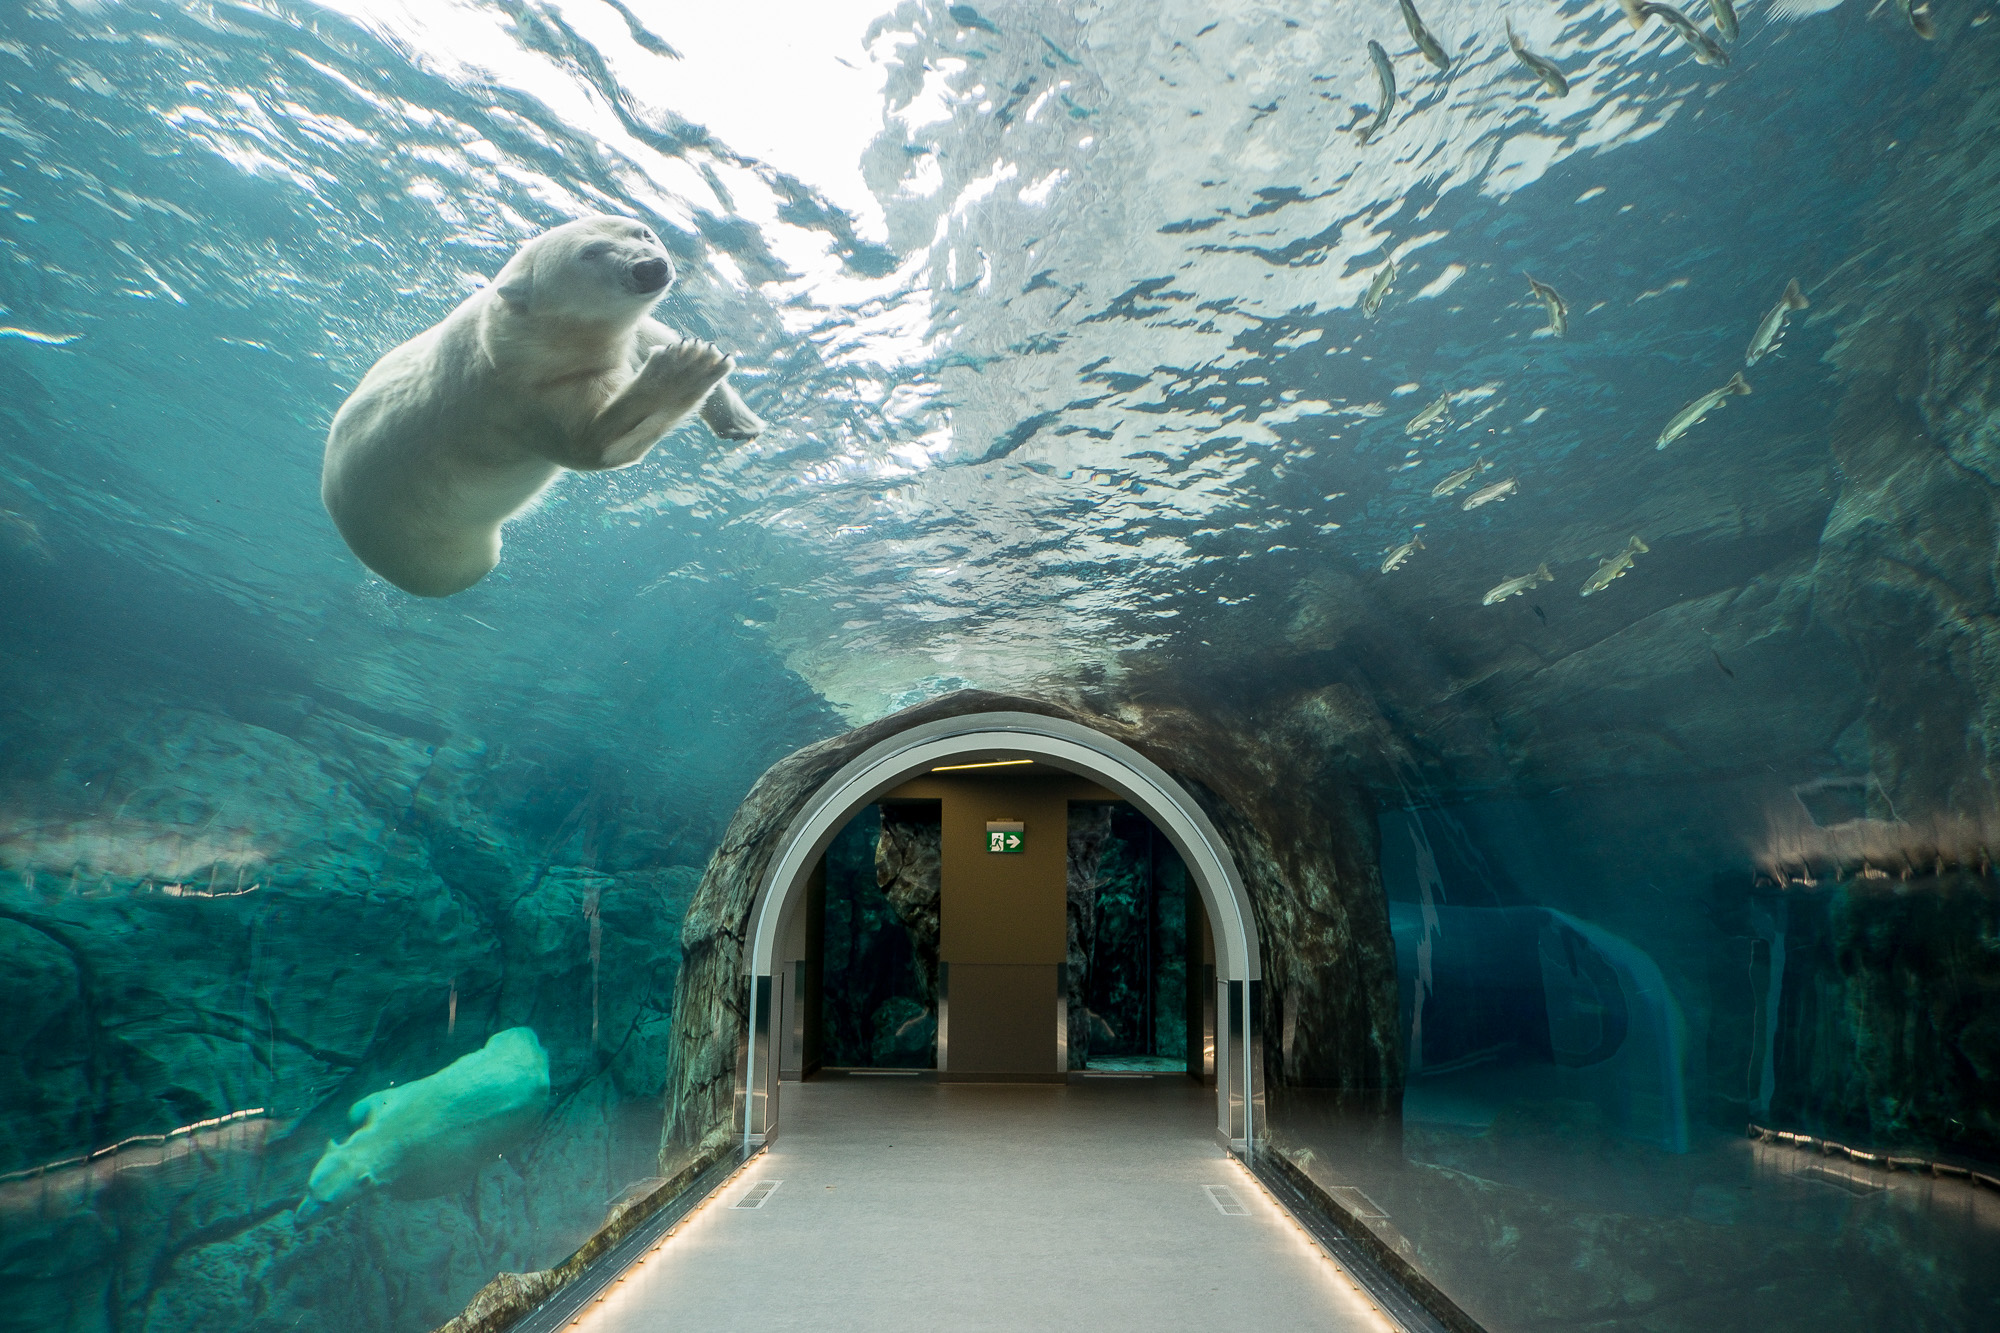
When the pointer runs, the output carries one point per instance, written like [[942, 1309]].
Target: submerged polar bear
[[553, 366], [430, 1137]]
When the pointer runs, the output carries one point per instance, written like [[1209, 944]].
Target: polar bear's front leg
[[672, 383], [728, 415]]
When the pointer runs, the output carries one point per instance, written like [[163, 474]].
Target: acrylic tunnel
[[898, 665]]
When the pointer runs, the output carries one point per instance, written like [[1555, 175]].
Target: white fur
[[555, 365], [431, 1136]]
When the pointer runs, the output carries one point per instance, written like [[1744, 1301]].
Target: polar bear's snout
[[650, 275]]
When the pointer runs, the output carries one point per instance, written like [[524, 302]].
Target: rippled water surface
[[1056, 315]]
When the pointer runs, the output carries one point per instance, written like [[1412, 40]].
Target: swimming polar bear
[[431, 1136], [554, 365]]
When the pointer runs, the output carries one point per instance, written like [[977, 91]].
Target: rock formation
[[1089, 831], [907, 858]]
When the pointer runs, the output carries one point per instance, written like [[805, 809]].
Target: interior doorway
[[869, 957], [1084, 910]]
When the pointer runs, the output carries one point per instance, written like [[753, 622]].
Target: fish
[[1422, 420], [1378, 287], [1514, 587], [1386, 73], [1541, 68], [965, 16], [24, 532], [1919, 17], [1725, 17], [1773, 324], [1398, 554], [1458, 479], [1614, 568], [1719, 666], [1499, 490], [1706, 50], [1633, 13], [1699, 408], [1552, 300], [1429, 45]]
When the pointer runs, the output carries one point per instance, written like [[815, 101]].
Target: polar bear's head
[[598, 269]]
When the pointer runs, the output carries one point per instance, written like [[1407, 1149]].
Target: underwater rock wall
[[1089, 831], [879, 987], [1909, 573], [1135, 982], [1890, 1033], [225, 920], [1891, 1027], [1284, 785], [908, 869]]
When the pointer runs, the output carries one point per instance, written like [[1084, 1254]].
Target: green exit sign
[[1005, 835]]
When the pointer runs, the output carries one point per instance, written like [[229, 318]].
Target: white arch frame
[[1068, 745]]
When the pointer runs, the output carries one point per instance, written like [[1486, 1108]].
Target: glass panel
[[1591, 1056], [1129, 980], [880, 1006]]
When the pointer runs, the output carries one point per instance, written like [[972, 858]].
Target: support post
[[757, 1066]]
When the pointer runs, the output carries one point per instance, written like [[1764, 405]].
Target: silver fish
[[1428, 415], [1614, 568], [1429, 45], [1541, 68], [1705, 47], [1386, 74], [1553, 302], [1773, 324], [1457, 479], [1919, 17], [1725, 17], [1631, 10], [1699, 408], [1499, 490], [1378, 287], [1398, 554], [1513, 587]]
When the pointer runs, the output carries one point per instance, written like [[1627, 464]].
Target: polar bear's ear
[[516, 285]]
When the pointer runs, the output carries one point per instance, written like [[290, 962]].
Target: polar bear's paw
[[682, 373], [673, 380]]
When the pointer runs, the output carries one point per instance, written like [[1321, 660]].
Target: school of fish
[[1704, 48]]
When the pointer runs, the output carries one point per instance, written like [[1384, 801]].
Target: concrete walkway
[[909, 1205]]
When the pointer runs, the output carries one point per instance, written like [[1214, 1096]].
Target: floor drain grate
[[757, 1194], [1225, 1201]]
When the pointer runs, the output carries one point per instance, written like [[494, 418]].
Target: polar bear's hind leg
[[473, 557]]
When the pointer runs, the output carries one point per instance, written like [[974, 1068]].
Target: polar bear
[[431, 1136], [554, 365]]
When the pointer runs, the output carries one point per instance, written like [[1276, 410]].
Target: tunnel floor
[[914, 1205]]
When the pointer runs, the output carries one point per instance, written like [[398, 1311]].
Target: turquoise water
[[1056, 312]]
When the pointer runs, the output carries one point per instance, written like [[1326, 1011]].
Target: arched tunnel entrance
[[1004, 738]]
